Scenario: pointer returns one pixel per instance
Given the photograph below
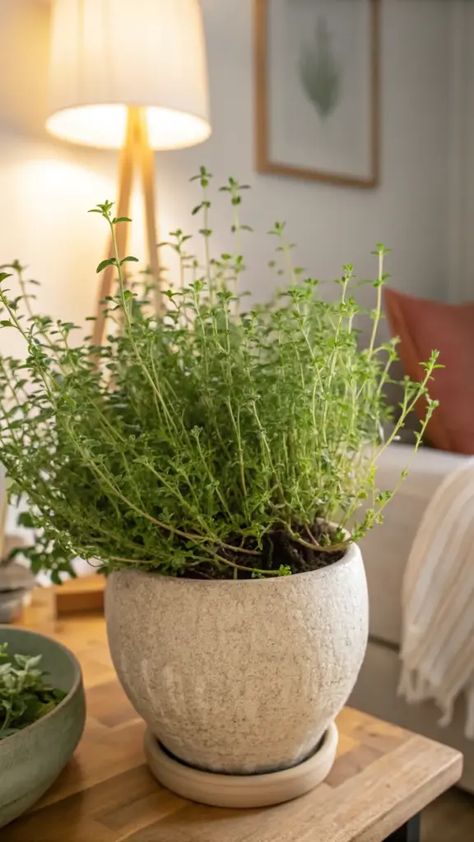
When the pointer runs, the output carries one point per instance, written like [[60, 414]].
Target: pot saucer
[[259, 790]]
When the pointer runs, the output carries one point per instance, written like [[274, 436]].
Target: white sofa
[[385, 552]]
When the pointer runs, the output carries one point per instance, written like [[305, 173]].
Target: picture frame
[[309, 95]]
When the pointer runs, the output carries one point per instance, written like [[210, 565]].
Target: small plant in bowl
[[25, 691], [220, 461], [42, 715]]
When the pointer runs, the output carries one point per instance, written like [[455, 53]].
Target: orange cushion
[[423, 325]]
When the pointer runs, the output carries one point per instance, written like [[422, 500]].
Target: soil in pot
[[297, 554]]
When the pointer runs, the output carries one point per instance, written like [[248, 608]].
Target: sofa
[[385, 552]]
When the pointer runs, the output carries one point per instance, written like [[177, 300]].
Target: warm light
[[109, 54], [104, 126]]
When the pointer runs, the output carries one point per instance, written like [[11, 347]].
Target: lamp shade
[[107, 55]]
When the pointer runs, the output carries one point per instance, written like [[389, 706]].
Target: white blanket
[[438, 601]]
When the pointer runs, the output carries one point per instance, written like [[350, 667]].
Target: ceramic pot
[[239, 676], [31, 759]]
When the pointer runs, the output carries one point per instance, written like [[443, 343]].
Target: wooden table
[[382, 778]]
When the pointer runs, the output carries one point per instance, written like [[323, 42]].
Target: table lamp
[[130, 75]]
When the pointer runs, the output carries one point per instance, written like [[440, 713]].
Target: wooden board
[[86, 593], [382, 777]]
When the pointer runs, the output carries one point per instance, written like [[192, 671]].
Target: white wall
[[46, 187]]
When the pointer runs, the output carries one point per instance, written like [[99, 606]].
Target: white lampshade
[[110, 54]]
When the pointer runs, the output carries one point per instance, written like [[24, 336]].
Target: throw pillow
[[423, 325]]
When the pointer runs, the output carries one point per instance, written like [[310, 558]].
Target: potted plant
[[42, 714], [220, 463]]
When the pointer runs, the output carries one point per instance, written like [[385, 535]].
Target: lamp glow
[[107, 55]]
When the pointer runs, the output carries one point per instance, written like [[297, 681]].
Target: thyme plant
[[216, 441]]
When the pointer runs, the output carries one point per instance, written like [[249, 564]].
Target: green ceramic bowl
[[32, 759]]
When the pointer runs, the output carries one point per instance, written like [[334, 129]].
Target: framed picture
[[317, 89]]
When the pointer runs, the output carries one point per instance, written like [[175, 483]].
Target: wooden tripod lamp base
[[136, 156]]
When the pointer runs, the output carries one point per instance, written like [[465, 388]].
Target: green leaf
[[117, 219], [110, 261], [26, 519], [129, 259]]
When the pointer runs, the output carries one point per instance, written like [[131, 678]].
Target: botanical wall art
[[317, 80]]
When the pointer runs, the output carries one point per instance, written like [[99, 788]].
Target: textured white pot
[[239, 676]]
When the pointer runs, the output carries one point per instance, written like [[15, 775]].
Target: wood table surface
[[382, 777]]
